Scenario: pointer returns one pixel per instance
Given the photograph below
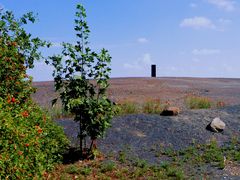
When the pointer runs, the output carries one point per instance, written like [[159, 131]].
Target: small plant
[[122, 156], [128, 107], [197, 102], [141, 163], [85, 171], [107, 166], [152, 106], [72, 169], [175, 172]]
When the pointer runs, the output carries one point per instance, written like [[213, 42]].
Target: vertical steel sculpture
[[153, 70]]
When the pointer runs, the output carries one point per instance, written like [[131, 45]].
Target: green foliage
[[141, 163], [72, 169], [196, 102], [194, 162], [30, 143], [18, 50], [82, 80], [122, 157], [85, 171], [107, 166], [213, 153], [150, 106]]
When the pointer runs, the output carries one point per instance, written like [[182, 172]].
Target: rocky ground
[[142, 131], [143, 135]]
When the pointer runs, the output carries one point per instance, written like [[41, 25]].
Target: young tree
[[82, 80]]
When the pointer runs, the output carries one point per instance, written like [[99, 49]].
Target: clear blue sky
[[197, 38]]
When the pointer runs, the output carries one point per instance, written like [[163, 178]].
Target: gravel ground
[[142, 135], [142, 131]]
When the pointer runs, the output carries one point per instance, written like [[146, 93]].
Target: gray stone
[[217, 125]]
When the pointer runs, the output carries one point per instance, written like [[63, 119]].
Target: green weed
[[72, 169], [107, 166], [122, 157], [128, 107], [85, 171], [152, 106], [197, 102]]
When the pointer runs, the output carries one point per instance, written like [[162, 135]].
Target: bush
[[30, 143]]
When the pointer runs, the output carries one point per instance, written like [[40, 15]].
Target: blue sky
[[196, 38]]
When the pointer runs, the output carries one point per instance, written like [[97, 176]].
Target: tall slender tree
[[81, 76]]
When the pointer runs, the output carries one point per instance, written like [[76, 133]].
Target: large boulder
[[170, 111], [217, 125]]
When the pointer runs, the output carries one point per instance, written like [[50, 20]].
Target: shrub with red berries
[[26, 152]]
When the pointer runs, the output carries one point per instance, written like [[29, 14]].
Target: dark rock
[[170, 111]]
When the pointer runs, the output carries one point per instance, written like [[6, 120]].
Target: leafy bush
[[197, 102], [18, 50], [30, 143]]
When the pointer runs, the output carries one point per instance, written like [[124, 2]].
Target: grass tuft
[[128, 107], [152, 106], [197, 102]]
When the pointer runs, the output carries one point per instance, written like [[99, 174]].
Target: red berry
[[25, 114], [13, 100], [40, 131]]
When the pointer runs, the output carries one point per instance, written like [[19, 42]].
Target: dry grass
[[127, 107], [198, 102], [149, 106], [152, 106], [201, 102]]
